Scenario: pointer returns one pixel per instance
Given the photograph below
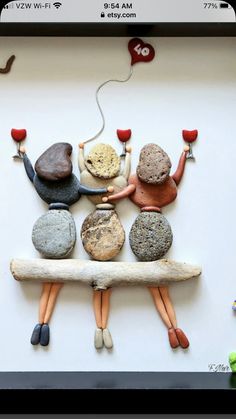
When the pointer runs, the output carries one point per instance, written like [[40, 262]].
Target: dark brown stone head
[[55, 163], [154, 165]]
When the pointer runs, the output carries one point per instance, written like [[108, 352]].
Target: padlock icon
[[102, 14]]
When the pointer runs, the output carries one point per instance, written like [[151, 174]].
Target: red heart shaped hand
[[140, 52], [18, 134]]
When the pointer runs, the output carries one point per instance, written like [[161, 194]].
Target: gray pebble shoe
[[45, 335], [35, 338]]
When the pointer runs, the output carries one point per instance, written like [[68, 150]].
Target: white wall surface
[[50, 91]]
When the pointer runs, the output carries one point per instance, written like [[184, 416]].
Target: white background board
[[50, 91]]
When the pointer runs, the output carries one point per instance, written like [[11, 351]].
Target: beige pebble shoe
[[98, 339], [107, 339]]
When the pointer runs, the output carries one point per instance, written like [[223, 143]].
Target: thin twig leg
[[106, 295], [44, 301], [164, 291], [174, 343], [97, 306], [55, 289]]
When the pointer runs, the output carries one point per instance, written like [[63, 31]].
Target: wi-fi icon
[[57, 4]]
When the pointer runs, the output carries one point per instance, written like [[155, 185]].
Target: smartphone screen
[[52, 91]]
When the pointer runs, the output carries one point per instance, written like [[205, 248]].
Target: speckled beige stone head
[[103, 161]]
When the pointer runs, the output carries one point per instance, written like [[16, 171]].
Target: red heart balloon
[[140, 52], [18, 134]]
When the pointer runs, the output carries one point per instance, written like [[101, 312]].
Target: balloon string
[[99, 105]]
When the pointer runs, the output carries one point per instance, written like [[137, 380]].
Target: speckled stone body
[[154, 165], [102, 235], [64, 191], [150, 236], [54, 234], [103, 161]]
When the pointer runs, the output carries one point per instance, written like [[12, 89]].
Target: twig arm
[[85, 190], [28, 167], [120, 195], [177, 176], [81, 158], [127, 165]]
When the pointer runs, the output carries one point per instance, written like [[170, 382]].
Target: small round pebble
[[22, 149], [105, 206], [150, 236], [58, 206], [54, 234]]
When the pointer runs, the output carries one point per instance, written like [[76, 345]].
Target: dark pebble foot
[[45, 335], [35, 338]]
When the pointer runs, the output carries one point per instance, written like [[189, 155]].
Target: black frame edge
[[115, 392], [117, 402], [109, 29]]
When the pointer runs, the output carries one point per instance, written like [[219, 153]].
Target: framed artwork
[[117, 208]]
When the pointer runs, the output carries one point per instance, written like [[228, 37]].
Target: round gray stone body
[[150, 236], [54, 234], [65, 191]]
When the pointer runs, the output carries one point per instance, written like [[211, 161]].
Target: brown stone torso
[[148, 195]]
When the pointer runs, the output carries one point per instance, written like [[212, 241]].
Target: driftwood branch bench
[[103, 275]]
